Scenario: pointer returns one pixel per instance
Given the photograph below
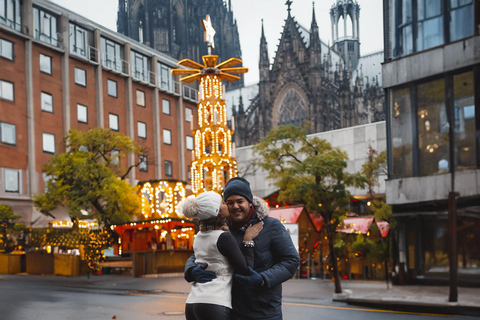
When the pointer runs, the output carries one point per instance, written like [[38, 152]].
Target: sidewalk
[[374, 294]]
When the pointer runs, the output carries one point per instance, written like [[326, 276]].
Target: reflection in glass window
[[167, 136], [112, 88], [461, 19], [140, 98], [143, 163], [8, 133], [401, 113], [189, 143], [45, 64], [6, 49], [82, 115], [166, 106], [142, 129], [112, 55], [6, 90], [113, 121], [49, 142], [78, 40], [433, 128], [80, 77], [188, 114], [46, 102], [430, 24], [464, 104], [168, 168], [12, 180]]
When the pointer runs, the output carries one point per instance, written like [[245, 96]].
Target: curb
[[415, 306]]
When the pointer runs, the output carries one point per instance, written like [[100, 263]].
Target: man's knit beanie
[[238, 186], [204, 206]]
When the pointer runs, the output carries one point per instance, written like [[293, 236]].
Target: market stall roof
[[291, 215], [168, 223], [356, 225]]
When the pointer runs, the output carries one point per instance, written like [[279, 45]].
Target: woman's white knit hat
[[204, 206]]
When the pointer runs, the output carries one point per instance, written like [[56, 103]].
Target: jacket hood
[[261, 206]]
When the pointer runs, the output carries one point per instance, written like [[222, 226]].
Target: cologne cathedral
[[332, 86], [173, 27]]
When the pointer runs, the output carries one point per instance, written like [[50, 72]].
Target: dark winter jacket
[[276, 259]]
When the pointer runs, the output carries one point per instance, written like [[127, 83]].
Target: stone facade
[[331, 86]]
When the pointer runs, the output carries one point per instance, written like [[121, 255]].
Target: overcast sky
[[249, 14]]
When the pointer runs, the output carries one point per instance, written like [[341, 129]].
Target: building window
[[429, 24], [140, 98], [464, 111], [12, 180], [80, 77], [140, 66], [112, 88], [45, 26], [115, 157], [113, 121], [189, 143], [112, 55], [6, 48], [78, 40], [461, 19], [188, 114], [166, 106], [143, 164], [401, 112], [10, 14], [164, 77], [48, 143], [82, 115], [189, 174], [46, 180], [433, 147], [168, 168], [167, 136], [142, 129], [8, 133], [6, 90], [45, 64], [47, 102]]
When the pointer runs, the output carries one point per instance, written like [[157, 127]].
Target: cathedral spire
[[263, 61], [314, 20], [288, 3]]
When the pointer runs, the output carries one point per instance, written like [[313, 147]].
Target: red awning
[[286, 215], [356, 225], [291, 215]]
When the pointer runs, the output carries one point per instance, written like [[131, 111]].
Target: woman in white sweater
[[216, 247]]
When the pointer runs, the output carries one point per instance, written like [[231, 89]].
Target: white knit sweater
[[219, 290]]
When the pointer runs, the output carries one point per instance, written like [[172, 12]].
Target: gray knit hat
[[204, 206], [238, 186]]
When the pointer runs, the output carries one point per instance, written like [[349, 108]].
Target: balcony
[[54, 40], [11, 24], [190, 93], [147, 77], [114, 64]]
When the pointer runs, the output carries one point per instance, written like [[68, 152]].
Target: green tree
[[310, 171], [9, 228], [89, 177]]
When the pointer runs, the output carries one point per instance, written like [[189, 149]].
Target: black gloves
[[200, 275], [252, 282]]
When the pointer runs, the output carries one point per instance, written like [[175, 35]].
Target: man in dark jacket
[[258, 296]]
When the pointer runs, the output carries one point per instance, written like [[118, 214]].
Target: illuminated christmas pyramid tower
[[213, 162]]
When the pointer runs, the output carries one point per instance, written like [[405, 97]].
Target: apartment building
[[61, 71], [431, 75]]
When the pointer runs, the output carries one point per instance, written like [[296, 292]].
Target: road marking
[[311, 305], [371, 310]]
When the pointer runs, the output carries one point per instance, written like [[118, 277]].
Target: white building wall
[[353, 140]]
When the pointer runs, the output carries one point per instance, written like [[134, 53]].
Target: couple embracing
[[241, 257]]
